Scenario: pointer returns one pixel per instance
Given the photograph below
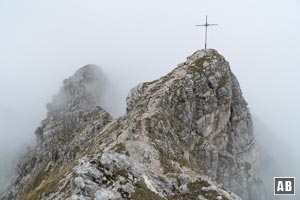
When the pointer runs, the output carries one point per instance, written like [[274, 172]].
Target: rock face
[[197, 115], [73, 117], [79, 95], [187, 135]]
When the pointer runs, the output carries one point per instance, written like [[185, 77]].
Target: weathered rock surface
[[73, 117], [196, 115], [187, 135]]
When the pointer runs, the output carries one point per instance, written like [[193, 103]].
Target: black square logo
[[284, 185]]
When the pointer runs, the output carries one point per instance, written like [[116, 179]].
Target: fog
[[44, 42]]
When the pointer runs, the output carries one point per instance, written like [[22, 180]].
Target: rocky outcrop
[[78, 95], [73, 117], [122, 177], [187, 135], [196, 115]]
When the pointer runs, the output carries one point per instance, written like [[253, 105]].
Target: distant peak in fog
[[89, 69], [84, 90]]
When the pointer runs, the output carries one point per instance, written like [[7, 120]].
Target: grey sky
[[43, 42]]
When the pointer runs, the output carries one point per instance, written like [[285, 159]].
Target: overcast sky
[[43, 42]]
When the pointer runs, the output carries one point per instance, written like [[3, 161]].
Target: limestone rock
[[187, 135], [74, 117], [196, 114]]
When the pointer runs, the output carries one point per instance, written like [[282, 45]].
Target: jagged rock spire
[[82, 91]]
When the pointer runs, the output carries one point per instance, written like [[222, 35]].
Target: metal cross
[[206, 25]]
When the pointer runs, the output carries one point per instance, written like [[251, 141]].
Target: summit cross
[[206, 25]]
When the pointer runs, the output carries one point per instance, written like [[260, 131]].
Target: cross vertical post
[[206, 25], [206, 32]]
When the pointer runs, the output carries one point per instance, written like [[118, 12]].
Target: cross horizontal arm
[[207, 25]]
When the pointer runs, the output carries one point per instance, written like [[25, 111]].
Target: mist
[[42, 43]]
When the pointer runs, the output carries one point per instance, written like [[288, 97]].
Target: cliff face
[[196, 115], [182, 136]]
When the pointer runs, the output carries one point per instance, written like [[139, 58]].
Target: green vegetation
[[49, 184], [142, 192], [199, 62], [195, 190], [198, 185], [183, 162], [120, 148], [195, 69], [198, 68], [162, 179], [166, 164], [154, 136], [122, 172], [223, 80], [39, 177]]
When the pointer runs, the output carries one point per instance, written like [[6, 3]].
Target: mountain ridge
[[182, 136]]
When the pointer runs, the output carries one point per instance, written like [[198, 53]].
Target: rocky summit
[[188, 135]]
